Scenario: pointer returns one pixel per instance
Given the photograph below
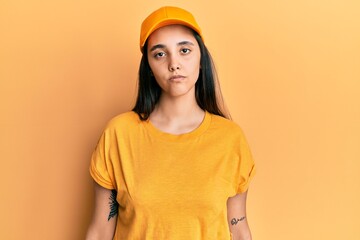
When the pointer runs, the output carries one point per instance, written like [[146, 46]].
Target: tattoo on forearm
[[114, 205], [234, 221]]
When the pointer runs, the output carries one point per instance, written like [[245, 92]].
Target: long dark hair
[[207, 89]]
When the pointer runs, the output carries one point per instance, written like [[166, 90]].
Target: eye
[[185, 50], [159, 54]]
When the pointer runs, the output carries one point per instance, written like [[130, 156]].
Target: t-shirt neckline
[[155, 132]]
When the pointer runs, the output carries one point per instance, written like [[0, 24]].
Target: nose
[[173, 68], [174, 64]]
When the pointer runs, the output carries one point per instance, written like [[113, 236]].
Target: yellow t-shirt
[[172, 187]]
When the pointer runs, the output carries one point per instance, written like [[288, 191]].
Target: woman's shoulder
[[226, 126], [126, 119], [222, 121]]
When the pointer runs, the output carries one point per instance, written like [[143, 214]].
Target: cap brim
[[167, 22]]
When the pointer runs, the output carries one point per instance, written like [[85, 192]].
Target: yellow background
[[290, 75]]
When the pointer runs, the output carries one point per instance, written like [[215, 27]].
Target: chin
[[180, 92]]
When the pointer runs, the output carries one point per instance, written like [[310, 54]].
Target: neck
[[175, 108], [177, 115]]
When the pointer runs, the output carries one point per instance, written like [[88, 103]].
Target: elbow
[[96, 235], [91, 235], [245, 235], [246, 238]]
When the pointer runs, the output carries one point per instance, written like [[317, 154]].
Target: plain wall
[[290, 75]]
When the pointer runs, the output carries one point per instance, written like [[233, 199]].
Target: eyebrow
[[182, 43]]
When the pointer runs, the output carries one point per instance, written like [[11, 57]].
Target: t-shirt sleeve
[[101, 168], [247, 167]]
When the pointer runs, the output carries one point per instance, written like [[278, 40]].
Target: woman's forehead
[[171, 33]]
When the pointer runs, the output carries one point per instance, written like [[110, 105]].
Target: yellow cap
[[166, 16]]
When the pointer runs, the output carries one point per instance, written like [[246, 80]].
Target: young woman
[[175, 167]]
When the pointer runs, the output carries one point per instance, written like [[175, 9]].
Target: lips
[[176, 78]]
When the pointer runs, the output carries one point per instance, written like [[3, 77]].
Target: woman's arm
[[236, 212], [103, 222]]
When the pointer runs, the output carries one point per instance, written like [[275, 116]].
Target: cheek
[[151, 65], [197, 61], [196, 66], [157, 67], [156, 71]]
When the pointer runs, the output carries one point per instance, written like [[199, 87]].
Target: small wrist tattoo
[[234, 221], [114, 205]]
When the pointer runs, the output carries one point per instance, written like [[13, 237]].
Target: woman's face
[[174, 59]]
